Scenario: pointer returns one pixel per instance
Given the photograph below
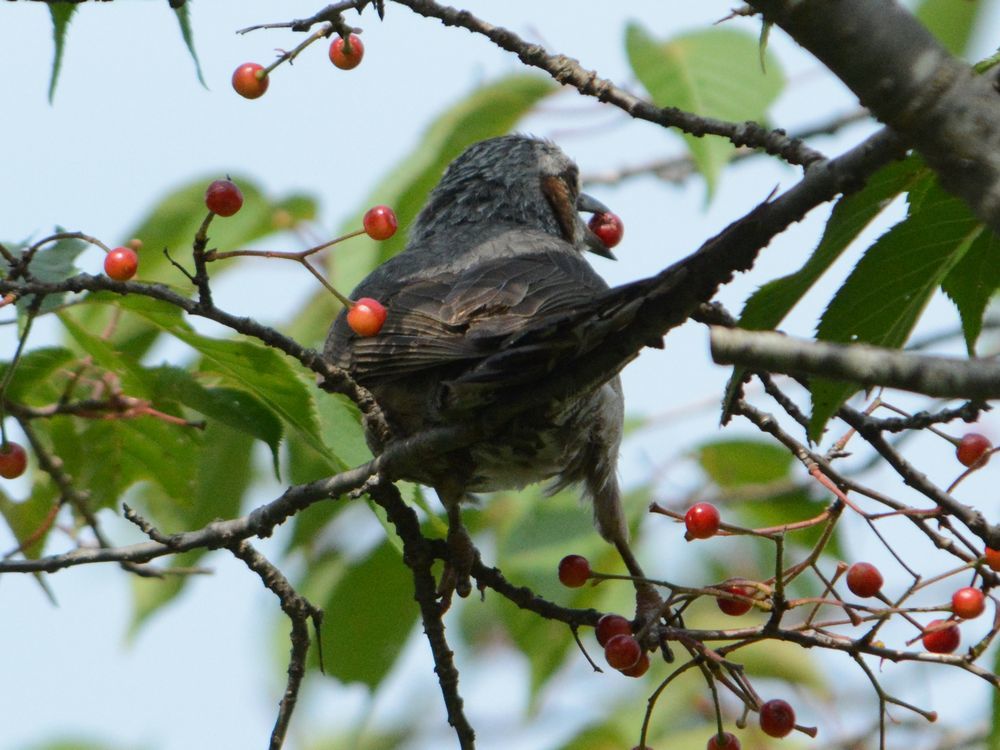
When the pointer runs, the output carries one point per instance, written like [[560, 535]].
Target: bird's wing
[[463, 316]]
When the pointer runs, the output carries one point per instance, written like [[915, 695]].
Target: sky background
[[130, 121]]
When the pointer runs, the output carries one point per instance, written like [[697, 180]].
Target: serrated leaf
[[733, 463], [52, 264], [61, 13], [104, 354], [184, 21], [972, 283], [769, 305], [234, 407], [491, 110], [952, 23], [711, 73], [888, 289], [372, 601]]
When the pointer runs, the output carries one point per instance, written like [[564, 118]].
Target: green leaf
[[245, 365], [888, 289], [184, 21], [972, 283], [711, 73], [993, 740], [53, 263], [27, 518], [952, 23], [733, 463], [490, 110], [234, 407], [769, 305], [33, 383], [369, 613], [61, 13], [132, 375]]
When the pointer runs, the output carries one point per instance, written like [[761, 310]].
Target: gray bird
[[497, 251]]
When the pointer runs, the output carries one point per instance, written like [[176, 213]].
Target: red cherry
[[777, 718], [992, 558], [728, 742], [973, 449], [574, 570], [702, 521], [249, 82], [622, 652], [222, 197], [366, 316], [13, 460], [608, 228], [347, 56], [380, 222], [941, 637], [639, 668], [732, 606], [968, 603], [611, 625], [121, 263], [864, 579]]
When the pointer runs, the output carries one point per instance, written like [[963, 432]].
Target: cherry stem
[[288, 57]]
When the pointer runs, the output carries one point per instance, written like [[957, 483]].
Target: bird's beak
[[589, 240]]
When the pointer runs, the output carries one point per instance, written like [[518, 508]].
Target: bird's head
[[513, 180]]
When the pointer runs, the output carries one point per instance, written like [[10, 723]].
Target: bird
[[495, 256]]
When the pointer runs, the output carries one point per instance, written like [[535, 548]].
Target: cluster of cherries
[[250, 80], [623, 651]]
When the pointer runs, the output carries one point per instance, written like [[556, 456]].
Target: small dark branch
[[300, 611], [969, 516], [330, 14], [967, 412], [418, 556], [944, 377], [526, 599], [200, 278], [147, 527], [679, 168], [569, 72]]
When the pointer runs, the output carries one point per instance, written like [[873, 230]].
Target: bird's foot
[[457, 576]]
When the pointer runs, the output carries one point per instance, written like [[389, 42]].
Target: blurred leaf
[[889, 287], [711, 73], [184, 21], [133, 376], [972, 283], [61, 13], [731, 463], [490, 110], [32, 383], [787, 507], [53, 263], [27, 518], [222, 474], [952, 23], [340, 426], [993, 738], [77, 744], [369, 614]]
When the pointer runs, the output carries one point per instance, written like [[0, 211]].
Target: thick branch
[[943, 377], [909, 82]]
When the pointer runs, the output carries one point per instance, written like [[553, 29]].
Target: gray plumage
[[496, 251]]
